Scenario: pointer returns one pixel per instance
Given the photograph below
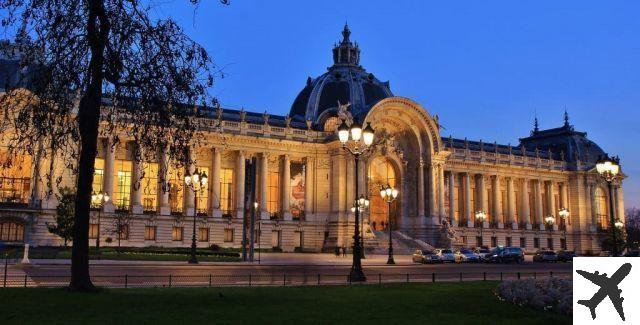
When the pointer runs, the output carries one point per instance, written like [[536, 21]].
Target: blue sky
[[485, 67]]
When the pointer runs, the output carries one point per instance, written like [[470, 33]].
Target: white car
[[446, 255]]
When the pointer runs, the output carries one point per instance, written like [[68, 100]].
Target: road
[[280, 269]]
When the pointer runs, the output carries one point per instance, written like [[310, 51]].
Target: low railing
[[276, 279]]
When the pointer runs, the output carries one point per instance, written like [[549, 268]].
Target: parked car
[[505, 255], [446, 255], [545, 256], [420, 256], [482, 253], [566, 256], [632, 254], [467, 255]]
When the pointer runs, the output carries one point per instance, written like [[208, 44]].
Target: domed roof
[[573, 145], [346, 82]]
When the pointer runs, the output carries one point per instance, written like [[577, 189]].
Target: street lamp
[[389, 194], [564, 215], [481, 216], [197, 182], [360, 142], [549, 220], [98, 200], [609, 168]]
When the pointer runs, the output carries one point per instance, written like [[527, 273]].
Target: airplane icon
[[608, 287]]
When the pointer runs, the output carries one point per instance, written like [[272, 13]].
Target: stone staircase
[[380, 244], [412, 242]]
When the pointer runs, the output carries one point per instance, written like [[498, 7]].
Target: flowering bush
[[555, 295]]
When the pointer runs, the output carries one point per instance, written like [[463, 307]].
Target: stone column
[[432, 190], [468, 209], [215, 183], [511, 201], [481, 198], [592, 199], [109, 173], [36, 180], [452, 199], [441, 196], [308, 188], [497, 202], [189, 194], [136, 184], [351, 194], [286, 188], [163, 183], [563, 195], [619, 203], [537, 192], [264, 179], [240, 174], [525, 213], [421, 196]]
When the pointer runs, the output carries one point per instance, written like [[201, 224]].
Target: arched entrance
[[380, 173]]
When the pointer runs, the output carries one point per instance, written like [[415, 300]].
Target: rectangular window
[[550, 243], [489, 199], [479, 241], [150, 232], [122, 195], [532, 207], [457, 204], [545, 204], [273, 192], [494, 241], [176, 234], [203, 195], [94, 229], [11, 232], [536, 242], [203, 234], [508, 241], [15, 180], [228, 235], [523, 242], [98, 176], [176, 190], [298, 239], [518, 204], [563, 243], [149, 186], [226, 191], [123, 234], [276, 238], [505, 205]]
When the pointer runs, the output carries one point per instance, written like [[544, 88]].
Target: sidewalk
[[266, 259]]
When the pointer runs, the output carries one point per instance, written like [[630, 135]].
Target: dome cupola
[[344, 83]]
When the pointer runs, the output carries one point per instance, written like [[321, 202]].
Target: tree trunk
[[88, 123]]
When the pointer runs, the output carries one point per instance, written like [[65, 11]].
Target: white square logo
[[606, 290]]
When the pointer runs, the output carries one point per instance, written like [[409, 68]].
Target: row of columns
[[214, 187], [496, 212]]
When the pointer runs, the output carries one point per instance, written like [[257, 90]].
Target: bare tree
[[120, 226], [101, 66]]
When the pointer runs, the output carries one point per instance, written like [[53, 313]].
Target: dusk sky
[[484, 67]]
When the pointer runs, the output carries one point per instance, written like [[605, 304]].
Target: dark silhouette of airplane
[[608, 287]]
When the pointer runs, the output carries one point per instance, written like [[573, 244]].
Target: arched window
[[602, 211], [331, 124], [11, 231]]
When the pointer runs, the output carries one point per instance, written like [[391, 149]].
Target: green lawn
[[446, 303]]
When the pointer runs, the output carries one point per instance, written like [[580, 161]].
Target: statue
[[344, 114]]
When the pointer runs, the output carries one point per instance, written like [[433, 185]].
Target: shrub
[[555, 295]]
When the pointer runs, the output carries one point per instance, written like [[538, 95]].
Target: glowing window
[[11, 231], [176, 192], [15, 178], [203, 195], [226, 190], [273, 192], [98, 176], [122, 195], [149, 187]]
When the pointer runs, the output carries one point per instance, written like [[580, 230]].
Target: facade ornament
[[243, 115], [309, 123], [481, 146], [562, 155], [265, 118], [287, 121], [495, 146], [466, 143], [219, 112]]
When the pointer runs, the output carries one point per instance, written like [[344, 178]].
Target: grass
[[446, 303]]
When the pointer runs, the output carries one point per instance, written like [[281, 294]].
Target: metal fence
[[283, 279]]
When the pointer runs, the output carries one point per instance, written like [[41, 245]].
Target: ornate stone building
[[305, 181]]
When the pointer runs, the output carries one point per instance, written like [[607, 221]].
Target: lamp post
[[357, 142], [609, 168], [99, 199], [481, 216], [564, 215], [361, 204], [197, 182], [389, 194]]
